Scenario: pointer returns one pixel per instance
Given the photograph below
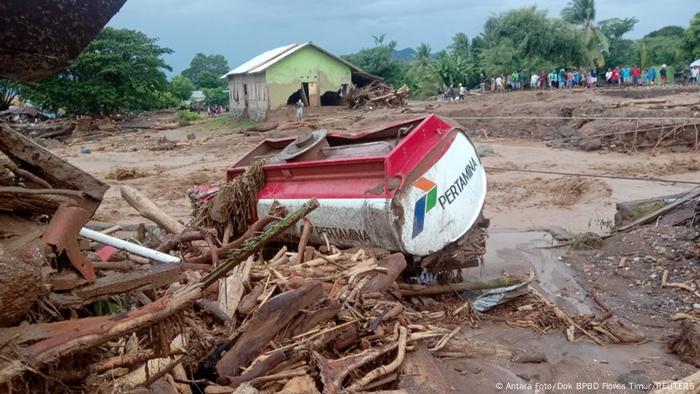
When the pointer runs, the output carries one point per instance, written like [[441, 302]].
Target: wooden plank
[[263, 326]]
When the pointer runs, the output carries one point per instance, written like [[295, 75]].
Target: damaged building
[[282, 76]]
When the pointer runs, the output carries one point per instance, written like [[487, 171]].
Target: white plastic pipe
[[128, 246]]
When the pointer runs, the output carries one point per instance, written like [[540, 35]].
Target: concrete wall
[[253, 105], [305, 65]]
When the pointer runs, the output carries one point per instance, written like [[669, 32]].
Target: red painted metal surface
[[358, 175]]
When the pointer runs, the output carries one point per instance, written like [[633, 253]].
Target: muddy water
[[568, 363], [519, 252]]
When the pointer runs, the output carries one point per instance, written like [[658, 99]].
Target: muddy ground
[[520, 205]]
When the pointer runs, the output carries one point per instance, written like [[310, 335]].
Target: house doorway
[[313, 94]]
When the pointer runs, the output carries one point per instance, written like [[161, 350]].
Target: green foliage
[[667, 31], [460, 46], [621, 51], [525, 39], [8, 91], [228, 122], [452, 68], [378, 60], [181, 87], [421, 76], [690, 45], [186, 115], [120, 70], [205, 71], [216, 96], [662, 49], [581, 13], [615, 28]]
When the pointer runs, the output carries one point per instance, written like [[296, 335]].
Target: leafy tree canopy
[[120, 70], [205, 70], [615, 28], [691, 40], [378, 60], [181, 87], [667, 31]]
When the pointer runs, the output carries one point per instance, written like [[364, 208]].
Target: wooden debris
[[378, 94], [263, 326], [150, 210], [687, 344]]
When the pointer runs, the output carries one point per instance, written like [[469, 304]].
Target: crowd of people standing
[[570, 78]]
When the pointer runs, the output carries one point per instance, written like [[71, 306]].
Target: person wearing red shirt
[[636, 73], [615, 76]]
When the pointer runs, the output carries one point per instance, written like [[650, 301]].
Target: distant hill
[[404, 54]]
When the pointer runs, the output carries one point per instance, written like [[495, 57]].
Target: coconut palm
[[425, 78], [582, 14], [460, 45]]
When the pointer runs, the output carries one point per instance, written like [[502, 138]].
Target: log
[[421, 372], [428, 290], [20, 287], [306, 321], [26, 175], [150, 210], [66, 338], [379, 283], [250, 300], [263, 326], [123, 283], [260, 367], [213, 310]]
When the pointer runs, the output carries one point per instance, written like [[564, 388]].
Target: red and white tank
[[413, 186]]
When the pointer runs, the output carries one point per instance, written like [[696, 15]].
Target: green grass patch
[[228, 122]]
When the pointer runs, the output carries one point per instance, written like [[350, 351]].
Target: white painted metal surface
[[437, 215]]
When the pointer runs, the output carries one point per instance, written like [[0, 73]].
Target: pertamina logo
[[424, 204]]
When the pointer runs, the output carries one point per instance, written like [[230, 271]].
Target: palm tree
[[424, 76], [582, 14], [460, 45]]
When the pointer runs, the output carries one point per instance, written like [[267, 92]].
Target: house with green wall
[[284, 75]]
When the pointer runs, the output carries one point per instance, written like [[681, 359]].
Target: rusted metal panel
[[62, 233], [40, 37]]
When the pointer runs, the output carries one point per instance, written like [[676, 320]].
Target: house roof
[[266, 59]]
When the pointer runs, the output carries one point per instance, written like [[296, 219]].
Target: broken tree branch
[[150, 210]]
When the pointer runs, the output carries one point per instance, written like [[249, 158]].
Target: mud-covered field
[[519, 204]]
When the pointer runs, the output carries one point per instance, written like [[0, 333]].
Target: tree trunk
[[20, 287]]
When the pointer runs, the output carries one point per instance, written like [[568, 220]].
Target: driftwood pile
[[378, 95], [237, 313]]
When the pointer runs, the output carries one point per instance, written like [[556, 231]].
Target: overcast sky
[[240, 30]]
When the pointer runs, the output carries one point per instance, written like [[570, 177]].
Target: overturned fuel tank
[[415, 186]]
